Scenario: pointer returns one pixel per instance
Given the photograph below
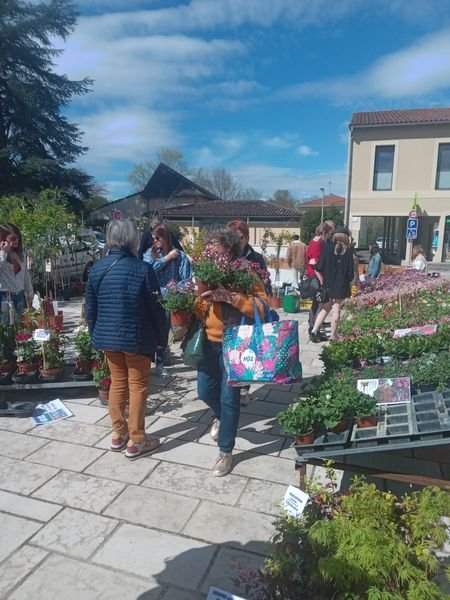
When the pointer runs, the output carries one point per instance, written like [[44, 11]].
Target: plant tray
[[425, 417], [327, 440]]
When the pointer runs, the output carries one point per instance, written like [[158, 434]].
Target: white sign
[[412, 214], [216, 594], [48, 266], [41, 335], [294, 501]]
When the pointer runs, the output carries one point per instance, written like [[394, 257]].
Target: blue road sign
[[411, 234], [411, 229], [413, 223]]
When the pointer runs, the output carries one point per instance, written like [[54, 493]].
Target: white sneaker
[[223, 464], [245, 397], [214, 431]]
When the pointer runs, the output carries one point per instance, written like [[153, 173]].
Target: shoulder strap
[[105, 272]]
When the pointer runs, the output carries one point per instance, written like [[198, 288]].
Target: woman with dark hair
[[220, 309], [15, 280], [419, 261], [375, 261], [127, 322], [169, 264], [336, 267], [147, 238]]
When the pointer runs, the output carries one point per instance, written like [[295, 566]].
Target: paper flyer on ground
[[396, 390], [422, 330], [55, 410]]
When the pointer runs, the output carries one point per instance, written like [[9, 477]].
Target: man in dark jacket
[[127, 322]]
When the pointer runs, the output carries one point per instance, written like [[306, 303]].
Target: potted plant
[[28, 353], [85, 352], [365, 410], [52, 358], [102, 379], [210, 270], [241, 276], [298, 421], [180, 301]]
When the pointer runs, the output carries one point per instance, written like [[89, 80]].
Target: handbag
[[308, 287], [193, 344], [263, 352]]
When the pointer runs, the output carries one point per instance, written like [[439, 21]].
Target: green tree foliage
[[311, 219], [38, 145]]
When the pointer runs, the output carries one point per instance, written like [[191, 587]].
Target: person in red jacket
[[313, 252]]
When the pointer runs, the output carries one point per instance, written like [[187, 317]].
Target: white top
[[420, 263], [9, 281]]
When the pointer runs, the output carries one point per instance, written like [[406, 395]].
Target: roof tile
[[400, 117], [231, 209]]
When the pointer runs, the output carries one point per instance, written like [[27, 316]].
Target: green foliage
[[362, 545], [7, 343], [311, 219], [53, 354], [101, 373], [37, 143], [298, 418], [83, 345], [179, 298], [193, 241]]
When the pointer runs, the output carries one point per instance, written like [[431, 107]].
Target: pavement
[[80, 522]]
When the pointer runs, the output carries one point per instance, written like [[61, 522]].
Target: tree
[[38, 145], [284, 198], [141, 172], [311, 219]]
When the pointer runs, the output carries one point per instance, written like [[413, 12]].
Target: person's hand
[[5, 246], [172, 254], [220, 294]]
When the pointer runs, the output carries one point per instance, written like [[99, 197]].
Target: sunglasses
[[157, 238]]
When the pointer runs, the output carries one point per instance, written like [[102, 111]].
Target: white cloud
[[302, 184], [414, 72], [304, 150], [281, 142]]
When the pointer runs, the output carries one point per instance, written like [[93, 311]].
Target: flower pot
[[22, 378], [341, 426], [78, 375], [50, 374], [24, 368], [103, 396], [180, 318], [201, 287], [84, 366], [5, 369], [369, 421], [59, 321], [305, 438]]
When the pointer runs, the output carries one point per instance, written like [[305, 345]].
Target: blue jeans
[[18, 301], [222, 399]]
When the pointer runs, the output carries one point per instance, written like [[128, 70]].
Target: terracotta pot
[[103, 394], [370, 421], [180, 318], [7, 368], [84, 366], [50, 374], [59, 321], [305, 438], [201, 287], [27, 368], [341, 426]]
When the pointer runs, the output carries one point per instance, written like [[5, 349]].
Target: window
[[384, 164], [443, 168]]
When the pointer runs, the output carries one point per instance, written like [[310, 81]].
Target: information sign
[[411, 229]]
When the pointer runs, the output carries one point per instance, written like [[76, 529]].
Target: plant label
[[41, 335], [216, 594], [294, 501], [48, 266]]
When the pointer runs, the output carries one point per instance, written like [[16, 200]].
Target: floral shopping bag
[[264, 352]]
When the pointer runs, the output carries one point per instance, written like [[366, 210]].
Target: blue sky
[[264, 88]]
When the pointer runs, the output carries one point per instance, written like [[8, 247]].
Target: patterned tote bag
[[264, 352]]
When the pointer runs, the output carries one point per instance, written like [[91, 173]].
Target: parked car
[[76, 259]]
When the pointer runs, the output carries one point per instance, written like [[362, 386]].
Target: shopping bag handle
[[257, 318]]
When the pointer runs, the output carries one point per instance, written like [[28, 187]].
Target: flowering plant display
[[243, 275], [27, 350], [178, 298], [210, 267], [102, 376], [83, 345]]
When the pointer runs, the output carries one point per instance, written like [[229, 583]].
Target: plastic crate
[[290, 303], [305, 304]]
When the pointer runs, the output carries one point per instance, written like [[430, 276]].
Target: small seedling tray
[[427, 415], [327, 440]]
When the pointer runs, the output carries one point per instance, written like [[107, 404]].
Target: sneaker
[[162, 372], [118, 442], [214, 431], [314, 337], [135, 450], [223, 464]]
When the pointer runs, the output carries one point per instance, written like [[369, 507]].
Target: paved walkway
[[81, 522]]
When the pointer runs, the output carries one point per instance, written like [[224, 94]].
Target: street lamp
[[323, 201]]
